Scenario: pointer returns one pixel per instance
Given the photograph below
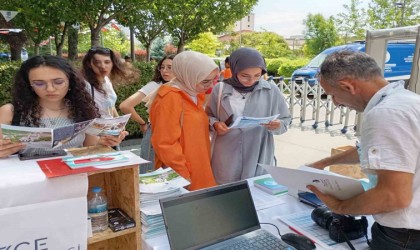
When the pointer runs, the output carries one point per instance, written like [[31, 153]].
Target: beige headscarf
[[189, 68]]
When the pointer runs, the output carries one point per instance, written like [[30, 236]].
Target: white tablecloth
[[41, 213]]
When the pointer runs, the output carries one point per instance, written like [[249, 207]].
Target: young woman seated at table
[[48, 93]]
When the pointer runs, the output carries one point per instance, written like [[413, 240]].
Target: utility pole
[[402, 13]]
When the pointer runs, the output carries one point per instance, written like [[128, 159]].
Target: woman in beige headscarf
[[180, 126]]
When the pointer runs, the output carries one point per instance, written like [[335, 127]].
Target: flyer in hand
[[251, 122], [108, 126]]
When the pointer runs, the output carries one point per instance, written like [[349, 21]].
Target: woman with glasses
[[180, 127], [238, 151], [163, 74], [99, 64], [48, 93]]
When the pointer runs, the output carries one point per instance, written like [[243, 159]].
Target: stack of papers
[[154, 186]]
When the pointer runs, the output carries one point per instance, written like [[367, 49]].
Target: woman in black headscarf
[[238, 151]]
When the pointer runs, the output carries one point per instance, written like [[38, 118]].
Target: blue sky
[[285, 17]]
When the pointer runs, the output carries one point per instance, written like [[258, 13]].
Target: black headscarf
[[241, 59]]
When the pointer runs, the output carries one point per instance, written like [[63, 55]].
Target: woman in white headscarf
[[180, 126]]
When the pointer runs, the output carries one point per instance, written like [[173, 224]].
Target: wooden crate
[[351, 170]]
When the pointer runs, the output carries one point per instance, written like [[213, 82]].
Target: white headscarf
[[189, 68]]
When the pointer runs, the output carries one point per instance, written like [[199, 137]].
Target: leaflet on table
[[43, 137], [57, 167], [94, 160], [341, 187], [108, 126], [161, 180], [251, 122]]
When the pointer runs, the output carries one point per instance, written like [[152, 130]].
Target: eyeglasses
[[100, 49], [210, 81], [167, 68], [249, 78], [57, 84]]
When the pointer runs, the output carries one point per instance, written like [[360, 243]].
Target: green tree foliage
[[97, 14], [188, 18], [206, 43], [393, 13], [320, 34], [158, 49], [351, 23], [147, 27], [116, 40], [269, 44]]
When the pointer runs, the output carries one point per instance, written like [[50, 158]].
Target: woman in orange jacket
[[180, 126]]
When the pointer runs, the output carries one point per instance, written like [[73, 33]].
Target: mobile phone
[[229, 120], [38, 153]]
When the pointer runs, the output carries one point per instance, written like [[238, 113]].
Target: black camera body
[[339, 226]]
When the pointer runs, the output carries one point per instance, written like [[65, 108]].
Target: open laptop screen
[[208, 216]]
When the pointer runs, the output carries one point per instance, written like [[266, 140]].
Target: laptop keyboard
[[261, 240]]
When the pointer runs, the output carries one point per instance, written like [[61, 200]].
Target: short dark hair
[[349, 63], [227, 59]]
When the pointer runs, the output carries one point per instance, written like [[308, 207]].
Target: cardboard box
[[351, 170]]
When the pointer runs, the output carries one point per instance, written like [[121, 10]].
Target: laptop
[[222, 217]]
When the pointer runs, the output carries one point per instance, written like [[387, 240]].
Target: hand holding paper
[[251, 122]]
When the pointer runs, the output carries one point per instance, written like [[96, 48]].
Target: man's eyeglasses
[[100, 50], [167, 68], [57, 84]]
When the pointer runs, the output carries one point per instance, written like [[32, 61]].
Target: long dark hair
[[117, 70], [157, 77], [26, 102]]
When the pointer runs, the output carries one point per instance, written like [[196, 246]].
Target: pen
[[296, 231]]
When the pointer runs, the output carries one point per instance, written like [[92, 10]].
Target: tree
[[97, 14], [269, 44], [187, 19], [351, 23], [146, 25], [320, 34], [116, 40], [16, 40], [393, 13], [206, 43], [158, 49]]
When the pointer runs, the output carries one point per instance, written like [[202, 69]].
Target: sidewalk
[[299, 145], [302, 144]]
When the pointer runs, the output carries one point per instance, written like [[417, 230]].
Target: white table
[[41, 213], [269, 207]]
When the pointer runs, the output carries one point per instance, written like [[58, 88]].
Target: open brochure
[[54, 137], [251, 122], [339, 186], [161, 180]]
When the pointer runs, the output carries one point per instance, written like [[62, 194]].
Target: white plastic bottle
[[98, 209]]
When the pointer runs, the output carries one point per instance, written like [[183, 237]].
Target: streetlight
[[402, 6]]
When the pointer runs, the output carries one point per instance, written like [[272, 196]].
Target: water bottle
[[98, 209]]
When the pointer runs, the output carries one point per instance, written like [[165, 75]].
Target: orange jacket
[[183, 147], [226, 73]]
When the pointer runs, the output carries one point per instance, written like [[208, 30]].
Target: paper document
[[341, 187], [251, 122]]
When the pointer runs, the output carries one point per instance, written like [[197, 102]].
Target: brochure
[[108, 126], [55, 137], [57, 167], [94, 160], [251, 122], [270, 186], [161, 180], [339, 186]]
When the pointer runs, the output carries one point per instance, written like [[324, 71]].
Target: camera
[[341, 227]]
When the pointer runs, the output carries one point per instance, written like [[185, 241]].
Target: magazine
[[251, 122], [55, 137]]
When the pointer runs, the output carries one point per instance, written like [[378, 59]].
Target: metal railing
[[309, 103]]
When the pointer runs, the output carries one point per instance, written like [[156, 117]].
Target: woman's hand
[[273, 125], [7, 147], [221, 128], [112, 141], [143, 127]]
